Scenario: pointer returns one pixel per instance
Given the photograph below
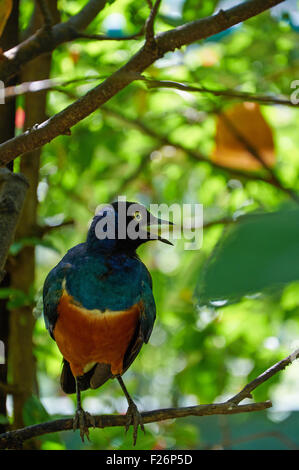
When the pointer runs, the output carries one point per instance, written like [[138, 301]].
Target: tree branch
[[46, 13], [42, 230], [13, 439], [104, 37], [61, 123], [149, 26], [13, 188], [246, 391], [234, 94], [47, 39]]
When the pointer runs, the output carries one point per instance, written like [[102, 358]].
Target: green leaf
[[17, 298], [34, 412], [259, 252], [3, 419]]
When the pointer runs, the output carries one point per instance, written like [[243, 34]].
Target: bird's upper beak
[[154, 229]]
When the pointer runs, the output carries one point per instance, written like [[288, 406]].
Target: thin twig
[[42, 85], [233, 94], [104, 37], [246, 391], [43, 5], [41, 230], [149, 26]]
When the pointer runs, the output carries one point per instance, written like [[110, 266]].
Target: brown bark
[[23, 273], [8, 40], [45, 40]]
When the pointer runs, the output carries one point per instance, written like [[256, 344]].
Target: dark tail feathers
[[67, 380], [94, 378]]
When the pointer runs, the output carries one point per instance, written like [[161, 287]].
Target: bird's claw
[[134, 418], [82, 421]]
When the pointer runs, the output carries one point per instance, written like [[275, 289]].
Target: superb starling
[[99, 306]]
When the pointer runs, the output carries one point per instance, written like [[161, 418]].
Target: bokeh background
[[226, 312]]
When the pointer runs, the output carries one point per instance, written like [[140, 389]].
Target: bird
[[99, 307]]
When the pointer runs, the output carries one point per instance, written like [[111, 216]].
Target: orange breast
[[89, 336]]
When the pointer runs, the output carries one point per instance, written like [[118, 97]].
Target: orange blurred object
[[75, 55], [248, 122], [5, 11], [20, 118], [209, 57]]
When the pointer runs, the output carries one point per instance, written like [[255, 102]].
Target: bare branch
[[14, 439], [149, 26], [40, 85], [246, 391], [33, 87], [234, 94], [104, 37], [40, 231], [43, 5]]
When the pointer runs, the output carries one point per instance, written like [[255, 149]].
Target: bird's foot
[[82, 421], [134, 418]]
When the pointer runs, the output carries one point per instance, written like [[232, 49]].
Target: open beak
[[155, 223]]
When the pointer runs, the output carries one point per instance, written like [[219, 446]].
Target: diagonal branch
[[279, 366], [61, 123], [14, 439]]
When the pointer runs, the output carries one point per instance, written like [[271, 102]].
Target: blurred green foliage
[[196, 354], [262, 252]]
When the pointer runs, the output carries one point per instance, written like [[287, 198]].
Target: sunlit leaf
[[238, 127]]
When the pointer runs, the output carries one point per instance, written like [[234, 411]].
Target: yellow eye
[[137, 215]]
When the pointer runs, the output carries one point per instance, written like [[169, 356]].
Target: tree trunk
[[22, 360], [8, 40]]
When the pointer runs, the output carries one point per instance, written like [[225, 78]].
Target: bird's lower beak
[[154, 229]]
